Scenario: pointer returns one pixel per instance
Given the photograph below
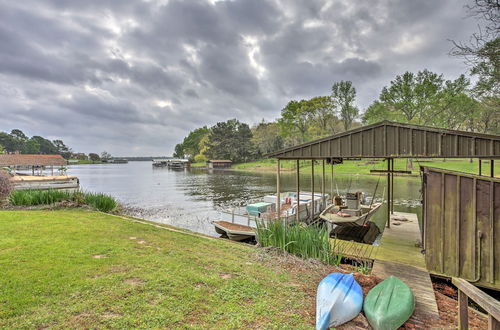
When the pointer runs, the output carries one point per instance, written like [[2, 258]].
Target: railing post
[[463, 316]]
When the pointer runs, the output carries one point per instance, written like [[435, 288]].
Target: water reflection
[[192, 198]]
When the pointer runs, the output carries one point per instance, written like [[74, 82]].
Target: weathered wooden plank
[[488, 303]]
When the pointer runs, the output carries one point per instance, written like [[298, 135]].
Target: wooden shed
[[219, 163]]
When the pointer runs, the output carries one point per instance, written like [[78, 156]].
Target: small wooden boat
[[339, 299], [234, 231], [349, 217], [389, 304]]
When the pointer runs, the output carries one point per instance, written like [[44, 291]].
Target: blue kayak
[[339, 299]]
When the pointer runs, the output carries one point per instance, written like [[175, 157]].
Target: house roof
[[388, 139], [31, 160]]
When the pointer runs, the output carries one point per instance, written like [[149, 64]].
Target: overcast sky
[[134, 77]]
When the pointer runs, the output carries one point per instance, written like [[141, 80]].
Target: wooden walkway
[[399, 254]]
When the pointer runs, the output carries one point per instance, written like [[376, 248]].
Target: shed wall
[[462, 226]]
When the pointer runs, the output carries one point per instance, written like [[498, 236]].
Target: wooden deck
[[399, 254]]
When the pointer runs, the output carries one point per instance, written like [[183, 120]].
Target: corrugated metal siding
[[388, 139], [462, 225]]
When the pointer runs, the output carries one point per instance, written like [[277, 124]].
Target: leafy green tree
[[323, 115], [31, 147], [2, 150], [106, 156], [230, 140], [62, 149], [424, 98], [179, 151], [343, 97], [200, 158], [295, 120], [191, 143], [8, 142], [46, 146], [266, 138], [94, 157]]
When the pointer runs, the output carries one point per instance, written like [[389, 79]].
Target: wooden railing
[[488, 303]]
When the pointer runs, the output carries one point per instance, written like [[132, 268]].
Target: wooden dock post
[[332, 181], [389, 193], [492, 168], [392, 185], [323, 200], [312, 190], [278, 200], [480, 166], [298, 190]]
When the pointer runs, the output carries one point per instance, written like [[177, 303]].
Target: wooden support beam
[[323, 200], [391, 171], [492, 168], [278, 199], [392, 185], [388, 193], [312, 190], [331, 186], [297, 177], [463, 311], [465, 291], [480, 166]]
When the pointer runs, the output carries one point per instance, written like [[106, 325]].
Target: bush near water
[[298, 239], [99, 201]]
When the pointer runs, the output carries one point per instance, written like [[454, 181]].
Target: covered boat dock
[[399, 252]]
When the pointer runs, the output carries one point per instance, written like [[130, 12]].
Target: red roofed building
[[31, 160]]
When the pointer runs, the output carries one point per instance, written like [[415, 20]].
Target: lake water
[[190, 199]]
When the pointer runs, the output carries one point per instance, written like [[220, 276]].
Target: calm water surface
[[190, 199]]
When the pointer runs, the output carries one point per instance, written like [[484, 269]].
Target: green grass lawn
[[364, 166], [83, 269]]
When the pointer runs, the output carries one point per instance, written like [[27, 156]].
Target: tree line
[[18, 142], [422, 97]]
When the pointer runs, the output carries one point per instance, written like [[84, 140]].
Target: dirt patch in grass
[[134, 281]]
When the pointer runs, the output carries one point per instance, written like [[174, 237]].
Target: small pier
[[399, 254]]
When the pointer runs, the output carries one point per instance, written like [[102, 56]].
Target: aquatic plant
[[32, 197], [100, 201], [298, 239]]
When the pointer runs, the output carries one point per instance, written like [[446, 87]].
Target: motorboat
[[352, 212]]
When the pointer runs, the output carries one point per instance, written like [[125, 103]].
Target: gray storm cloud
[[133, 77]]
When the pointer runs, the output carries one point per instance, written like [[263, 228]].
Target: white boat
[[352, 213], [233, 231], [61, 182], [265, 210]]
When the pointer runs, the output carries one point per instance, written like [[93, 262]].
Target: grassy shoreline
[[364, 166], [75, 268]]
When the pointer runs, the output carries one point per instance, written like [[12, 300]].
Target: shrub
[[5, 185], [298, 239], [101, 202], [37, 197]]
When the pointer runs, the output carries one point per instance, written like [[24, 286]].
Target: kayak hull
[[339, 299], [389, 304]]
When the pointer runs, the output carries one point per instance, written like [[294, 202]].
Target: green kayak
[[389, 304]]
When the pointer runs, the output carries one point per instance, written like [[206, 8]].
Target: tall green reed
[[298, 239]]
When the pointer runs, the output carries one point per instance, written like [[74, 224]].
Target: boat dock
[[399, 254]]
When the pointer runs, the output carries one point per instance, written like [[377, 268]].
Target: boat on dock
[[59, 182], [265, 210], [351, 213], [233, 231]]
